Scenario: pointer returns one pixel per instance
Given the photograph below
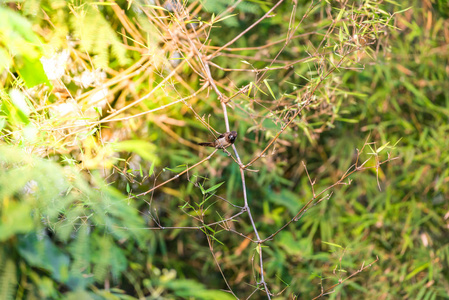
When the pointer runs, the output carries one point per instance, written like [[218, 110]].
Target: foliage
[[105, 193]]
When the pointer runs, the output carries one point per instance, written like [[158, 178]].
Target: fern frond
[[8, 277], [97, 37]]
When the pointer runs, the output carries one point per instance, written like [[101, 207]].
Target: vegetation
[[336, 186]]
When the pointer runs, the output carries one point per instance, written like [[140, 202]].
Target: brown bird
[[223, 141]]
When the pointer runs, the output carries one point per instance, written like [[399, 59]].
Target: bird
[[223, 141]]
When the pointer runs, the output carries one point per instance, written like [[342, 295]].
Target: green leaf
[[202, 189], [44, 254], [140, 170], [227, 17], [5, 60], [15, 219], [209, 190], [347, 120], [269, 88], [19, 101], [382, 147], [151, 171], [417, 270], [33, 73], [2, 123], [332, 244], [142, 148], [154, 7]]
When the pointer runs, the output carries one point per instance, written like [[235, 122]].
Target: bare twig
[[178, 175], [362, 268]]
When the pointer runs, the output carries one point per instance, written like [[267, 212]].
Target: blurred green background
[[68, 229]]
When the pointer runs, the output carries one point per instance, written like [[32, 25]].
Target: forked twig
[[362, 268]]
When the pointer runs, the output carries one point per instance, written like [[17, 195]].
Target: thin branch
[[177, 176], [362, 268], [267, 15]]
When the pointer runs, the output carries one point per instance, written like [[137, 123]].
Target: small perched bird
[[223, 141]]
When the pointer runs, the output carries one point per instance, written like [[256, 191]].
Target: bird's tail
[[206, 144]]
